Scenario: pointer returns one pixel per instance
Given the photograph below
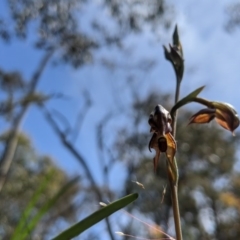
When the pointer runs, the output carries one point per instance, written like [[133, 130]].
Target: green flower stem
[[174, 184], [174, 117], [175, 56], [176, 213]]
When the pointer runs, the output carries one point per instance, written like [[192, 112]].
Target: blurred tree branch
[[70, 147], [81, 115], [11, 143]]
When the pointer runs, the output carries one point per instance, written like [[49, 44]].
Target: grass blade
[[94, 218]]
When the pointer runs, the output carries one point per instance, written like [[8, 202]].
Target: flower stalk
[[178, 65], [163, 126]]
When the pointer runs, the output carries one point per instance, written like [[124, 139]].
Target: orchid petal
[[172, 147], [203, 116]]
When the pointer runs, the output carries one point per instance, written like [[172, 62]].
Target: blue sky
[[212, 58], [210, 50]]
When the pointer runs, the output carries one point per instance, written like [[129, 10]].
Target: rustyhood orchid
[[162, 140], [224, 114]]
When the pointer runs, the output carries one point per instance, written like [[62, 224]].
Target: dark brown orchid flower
[[162, 140], [224, 114]]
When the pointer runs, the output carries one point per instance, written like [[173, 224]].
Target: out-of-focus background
[[78, 80]]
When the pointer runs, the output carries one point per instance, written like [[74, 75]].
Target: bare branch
[[82, 114], [63, 120], [101, 145], [80, 159]]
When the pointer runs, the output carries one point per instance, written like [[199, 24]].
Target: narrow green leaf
[[94, 218], [23, 222], [47, 206], [185, 100]]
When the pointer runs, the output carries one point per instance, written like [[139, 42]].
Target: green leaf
[[46, 207], [189, 98], [94, 218]]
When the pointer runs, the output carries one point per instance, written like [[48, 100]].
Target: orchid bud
[[175, 55], [226, 116]]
